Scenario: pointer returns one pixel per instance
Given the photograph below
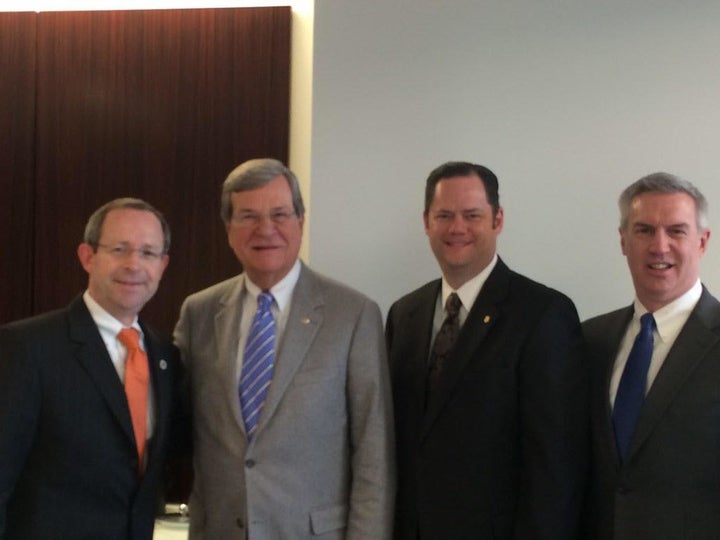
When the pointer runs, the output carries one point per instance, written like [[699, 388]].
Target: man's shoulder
[[532, 290], [598, 325], [52, 331], [213, 292], [423, 294], [46, 322], [330, 288], [524, 297]]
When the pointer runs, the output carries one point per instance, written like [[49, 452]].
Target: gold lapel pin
[[486, 319], [305, 320]]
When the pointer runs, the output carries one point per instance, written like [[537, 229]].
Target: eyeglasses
[[123, 251], [251, 219]]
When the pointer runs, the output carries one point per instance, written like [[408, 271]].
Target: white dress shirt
[[669, 321], [109, 328], [467, 293]]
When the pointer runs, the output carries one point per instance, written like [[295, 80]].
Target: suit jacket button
[[249, 463], [239, 522]]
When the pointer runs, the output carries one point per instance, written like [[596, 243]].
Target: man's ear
[[85, 254]]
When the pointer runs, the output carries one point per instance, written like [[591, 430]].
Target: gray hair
[[93, 229], [662, 182], [254, 174]]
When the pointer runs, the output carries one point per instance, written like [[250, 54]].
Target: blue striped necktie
[[631, 391], [257, 363]]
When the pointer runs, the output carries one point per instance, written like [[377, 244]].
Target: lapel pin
[[486, 319], [163, 364], [305, 320]]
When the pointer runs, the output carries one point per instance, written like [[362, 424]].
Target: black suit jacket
[[669, 485], [501, 450], [68, 465]]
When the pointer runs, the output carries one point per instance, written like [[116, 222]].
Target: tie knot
[[647, 322], [130, 338], [264, 301], [452, 306]]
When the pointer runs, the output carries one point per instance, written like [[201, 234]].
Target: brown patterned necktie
[[444, 342]]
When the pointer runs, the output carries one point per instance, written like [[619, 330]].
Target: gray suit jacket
[[322, 458], [669, 485]]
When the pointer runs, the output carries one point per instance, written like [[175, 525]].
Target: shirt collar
[[669, 319], [469, 291], [108, 326], [282, 290]]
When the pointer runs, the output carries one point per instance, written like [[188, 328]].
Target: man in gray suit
[[292, 414], [656, 395]]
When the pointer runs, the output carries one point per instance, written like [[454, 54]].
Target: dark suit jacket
[[669, 485], [68, 465], [501, 450]]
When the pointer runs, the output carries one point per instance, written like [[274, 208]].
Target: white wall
[[567, 101]]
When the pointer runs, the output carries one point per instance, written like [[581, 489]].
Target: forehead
[[273, 194], [665, 208], [130, 223], [468, 190]]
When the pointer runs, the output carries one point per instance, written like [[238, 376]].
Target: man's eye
[[149, 254], [279, 216]]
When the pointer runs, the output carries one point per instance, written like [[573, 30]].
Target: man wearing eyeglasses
[[292, 408], [86, 393]]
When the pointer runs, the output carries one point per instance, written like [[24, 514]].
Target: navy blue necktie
[[631, 391], [258, 363]]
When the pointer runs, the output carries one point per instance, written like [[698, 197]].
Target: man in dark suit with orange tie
[[656, 377], [489, 382], [86, 393]]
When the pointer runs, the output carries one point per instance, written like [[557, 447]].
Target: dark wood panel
[[17, 125], [158, 105]]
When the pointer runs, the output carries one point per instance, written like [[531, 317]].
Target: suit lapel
[[303, 322], [693, 343], [95, 360], [161, 384], [481, 318], [227, 337], [409, 344]]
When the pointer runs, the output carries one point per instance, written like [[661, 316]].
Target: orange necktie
[[137, 376]]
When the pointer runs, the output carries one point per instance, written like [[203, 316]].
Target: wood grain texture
[[17, 164], [159, 105]]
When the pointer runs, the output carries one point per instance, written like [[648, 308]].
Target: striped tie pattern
[[257, 363]]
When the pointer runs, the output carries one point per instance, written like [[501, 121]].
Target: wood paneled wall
[[17, 162], [159, 105]]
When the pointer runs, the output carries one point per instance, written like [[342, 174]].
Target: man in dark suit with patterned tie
[[656, 412], [489, 383], [86, 394]]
